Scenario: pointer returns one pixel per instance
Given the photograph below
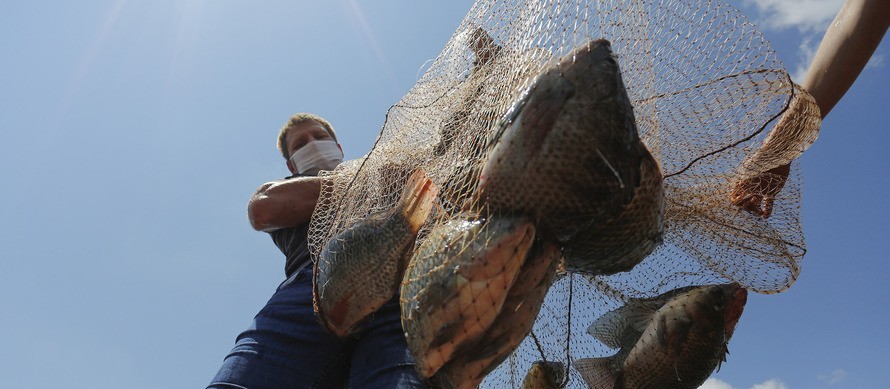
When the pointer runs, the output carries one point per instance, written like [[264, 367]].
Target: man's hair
[[297, 119]]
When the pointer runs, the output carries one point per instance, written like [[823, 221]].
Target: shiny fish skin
[[625, 240], [679, 346], [544, 375], [359, 270], [457, 282], [474, 360], [568, 153]]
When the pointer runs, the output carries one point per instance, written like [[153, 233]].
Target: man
[[286, 347]]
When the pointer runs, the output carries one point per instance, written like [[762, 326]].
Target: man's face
[[303, 133]]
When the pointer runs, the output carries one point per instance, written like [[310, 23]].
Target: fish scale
[[474, 360], [457, 282], [624, 241], [359, 270], [544, 375], [682, 343], [568, 153]]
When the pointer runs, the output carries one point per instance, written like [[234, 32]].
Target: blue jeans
[[286, 347]]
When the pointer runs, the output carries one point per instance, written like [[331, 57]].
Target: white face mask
[[317, 155]]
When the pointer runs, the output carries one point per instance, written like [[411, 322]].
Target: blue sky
[[132, 134]]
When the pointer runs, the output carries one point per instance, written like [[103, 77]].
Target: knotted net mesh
[[712, 103]]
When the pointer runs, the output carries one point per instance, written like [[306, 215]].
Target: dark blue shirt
[[294, 243]]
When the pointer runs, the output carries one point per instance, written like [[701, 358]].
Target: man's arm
[[848, 44], [846, 48], [283, 203]]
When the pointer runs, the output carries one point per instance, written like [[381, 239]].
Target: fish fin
[[608, 328], [611, 327], [638, 314], [598, 373], [619, 380], [417, 199], [722, 359]]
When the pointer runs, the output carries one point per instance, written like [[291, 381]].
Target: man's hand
[[757, 194], [795, 131]]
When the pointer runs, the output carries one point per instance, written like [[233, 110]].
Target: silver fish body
[[678, 344], [625, 240], [568, 152], [360, 269], [474, 360], [544, 375], [457, 282]]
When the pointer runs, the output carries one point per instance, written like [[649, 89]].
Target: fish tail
[[598, 373], [417, 199]]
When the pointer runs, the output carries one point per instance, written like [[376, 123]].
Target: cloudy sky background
[[132, 134]]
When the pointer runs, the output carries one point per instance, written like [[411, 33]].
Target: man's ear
[[291, 167]]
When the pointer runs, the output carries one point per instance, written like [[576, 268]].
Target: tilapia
[[544, 375], [464, 133], [360, 269], [457, 282], [471, 362], [568, 153], [455, 125], [674, 340], [625, 240]]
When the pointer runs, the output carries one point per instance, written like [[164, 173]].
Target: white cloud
[[806, 15], [876, 61], [805, 53], [833, 378], [713, 383], [770, 384]]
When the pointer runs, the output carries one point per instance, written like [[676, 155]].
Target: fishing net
[[707, 93]]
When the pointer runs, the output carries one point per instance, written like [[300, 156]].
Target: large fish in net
[[568, 154], [706, 89], [674, 340]]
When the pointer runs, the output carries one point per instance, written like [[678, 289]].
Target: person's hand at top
[[848, 44], [757, 194]]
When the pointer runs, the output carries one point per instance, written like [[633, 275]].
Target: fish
[[457, 282], [674, 340], [567, 152], [473, 361], [544, 375], [485, 51], [464, 132], [457, 190], [361, 268], [621, 243]]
